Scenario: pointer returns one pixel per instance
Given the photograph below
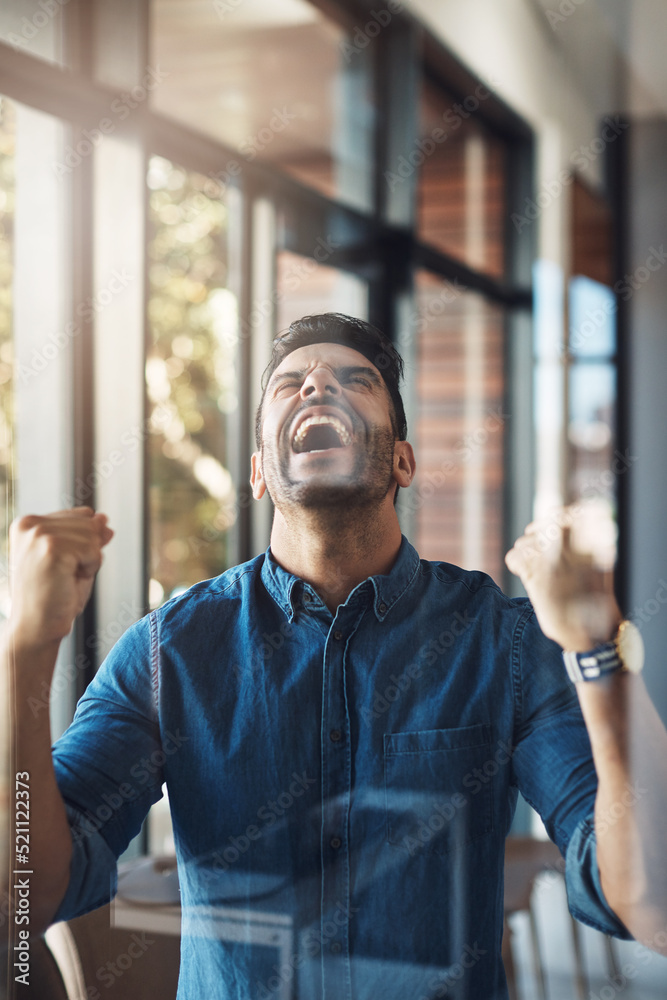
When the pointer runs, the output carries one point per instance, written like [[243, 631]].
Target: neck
[[334, 554]]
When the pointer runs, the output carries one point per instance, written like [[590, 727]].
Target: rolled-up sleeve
[[554, 769], [108, 767]]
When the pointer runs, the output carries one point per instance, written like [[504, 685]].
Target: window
[[38, 30], [275, 80], [457, 497], [191, 379], [242, 180], [593, 461], [462, 204], [7, 470]]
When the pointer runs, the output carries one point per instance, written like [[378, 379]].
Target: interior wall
[[647, 363]]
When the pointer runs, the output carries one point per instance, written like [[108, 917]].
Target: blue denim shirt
[[340, 786]]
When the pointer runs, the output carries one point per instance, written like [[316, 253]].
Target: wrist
[[18, 642], [624, 652], [582, 639]]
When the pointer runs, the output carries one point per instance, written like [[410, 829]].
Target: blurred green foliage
[[191, 379]]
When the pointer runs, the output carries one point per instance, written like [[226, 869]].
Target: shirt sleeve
[[554, 769], [108, 767]]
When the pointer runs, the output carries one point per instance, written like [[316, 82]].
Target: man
[[342, 728]]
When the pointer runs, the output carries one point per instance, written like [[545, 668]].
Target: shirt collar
[[388, 588]]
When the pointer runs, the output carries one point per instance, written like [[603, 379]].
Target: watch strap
[[594, 663]]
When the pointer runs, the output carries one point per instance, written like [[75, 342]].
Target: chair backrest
[[45, 981], [97, 959]]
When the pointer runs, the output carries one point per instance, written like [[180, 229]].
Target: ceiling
[[616, 48]]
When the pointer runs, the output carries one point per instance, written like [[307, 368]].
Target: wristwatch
[[624, 652]]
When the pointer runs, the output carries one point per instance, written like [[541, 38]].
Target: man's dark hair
[[336, 328]]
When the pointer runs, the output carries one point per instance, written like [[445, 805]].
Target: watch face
[[630, 647]]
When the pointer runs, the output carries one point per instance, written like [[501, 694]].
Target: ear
[[256, 476], [404, 463]]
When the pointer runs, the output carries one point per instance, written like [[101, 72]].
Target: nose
[[319, 382]]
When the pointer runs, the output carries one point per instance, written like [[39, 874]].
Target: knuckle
[[26, 523]]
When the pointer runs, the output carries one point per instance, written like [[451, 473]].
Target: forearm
[[629, 746], [26, 747]]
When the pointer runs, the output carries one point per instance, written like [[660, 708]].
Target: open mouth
[[319, 433]]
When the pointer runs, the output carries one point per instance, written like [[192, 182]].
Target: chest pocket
[[438, 797]]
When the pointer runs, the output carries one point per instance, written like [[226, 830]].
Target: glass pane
[[461, 187], [591, 430], [34, 28], [43, 331], [305, 287], [7, 142], [274, 79], [592, 319], [457, 496], [549, 391], [191, 379]]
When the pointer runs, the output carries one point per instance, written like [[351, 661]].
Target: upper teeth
[[334, 422]]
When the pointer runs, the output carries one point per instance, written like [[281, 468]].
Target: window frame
[[379, 246]]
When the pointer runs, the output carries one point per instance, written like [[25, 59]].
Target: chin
[[340, 494]]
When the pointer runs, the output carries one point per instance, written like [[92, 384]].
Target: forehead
[[333, 355]]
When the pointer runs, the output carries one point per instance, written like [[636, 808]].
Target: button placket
[[336, 781]]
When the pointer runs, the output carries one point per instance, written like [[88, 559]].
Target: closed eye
[[287, 385]]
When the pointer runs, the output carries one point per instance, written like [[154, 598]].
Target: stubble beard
[[335, 497]]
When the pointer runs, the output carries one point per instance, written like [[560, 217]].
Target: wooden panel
[[592, 234], [458, 491]]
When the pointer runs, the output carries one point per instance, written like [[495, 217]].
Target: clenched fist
[[570, 587], [53, 562]]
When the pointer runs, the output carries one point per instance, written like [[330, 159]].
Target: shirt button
[[307, 598], [335, 947], [383, 608], [335, 735], [338, 635], [335, 842]]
